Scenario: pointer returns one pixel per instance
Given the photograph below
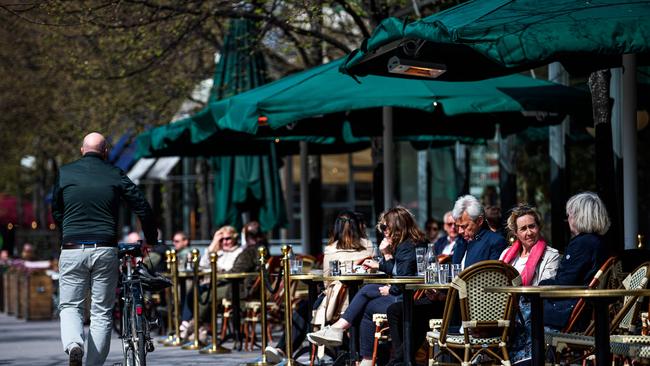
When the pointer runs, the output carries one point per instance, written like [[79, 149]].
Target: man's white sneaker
[[273, 355], [327, 336]]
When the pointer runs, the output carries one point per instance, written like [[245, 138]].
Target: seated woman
[[398, 249], [347, 242], [585, 254], [535, 261]]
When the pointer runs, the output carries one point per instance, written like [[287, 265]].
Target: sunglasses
[[383, 227], [226, 238]]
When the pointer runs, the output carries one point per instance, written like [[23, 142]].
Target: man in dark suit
[[446, 244], [480, 243]]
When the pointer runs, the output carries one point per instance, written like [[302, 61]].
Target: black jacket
[[86, 201], [403, 261], [585, 254]]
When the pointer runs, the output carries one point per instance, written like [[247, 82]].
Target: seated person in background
[[347, 242], [493, 218], [402, 235], [479, 242], [535, 261], [183, 250], [432, 230], [27, 252], [444, 247], [585, 254]]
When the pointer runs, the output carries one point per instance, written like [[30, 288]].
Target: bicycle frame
[[136, 339]]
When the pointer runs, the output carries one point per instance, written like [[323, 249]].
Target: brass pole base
[[212, 349], [289, 362], [190, 346], [174, 342], [260, 363]]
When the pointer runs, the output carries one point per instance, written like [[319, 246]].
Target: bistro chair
[[624, 323], [486, 316]]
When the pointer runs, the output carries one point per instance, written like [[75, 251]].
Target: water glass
[[454, 271], [296, 266], [443, 273], [335, 268], [431, 274], [420, 259], [348, 266]]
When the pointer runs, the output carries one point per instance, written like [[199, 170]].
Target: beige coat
[[325, 312]]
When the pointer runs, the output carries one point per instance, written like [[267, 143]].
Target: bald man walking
[[85, 205]]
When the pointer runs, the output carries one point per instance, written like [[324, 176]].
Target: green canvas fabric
[[511, 35], [323, 90]]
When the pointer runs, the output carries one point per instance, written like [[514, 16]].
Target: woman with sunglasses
[[401, 235]]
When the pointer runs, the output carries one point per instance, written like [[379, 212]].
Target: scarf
[[535, 256]]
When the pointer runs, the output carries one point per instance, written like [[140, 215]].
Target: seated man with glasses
[[444, 247]]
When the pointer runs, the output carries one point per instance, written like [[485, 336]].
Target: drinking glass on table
[[454, 270], [296, 266], [431, 274], [421, 260], [443, 273]]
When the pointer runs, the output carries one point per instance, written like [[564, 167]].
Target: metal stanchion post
[[214, 348], [286, 250], [263, 361], [192, 346], [168, 299], [176, 339]]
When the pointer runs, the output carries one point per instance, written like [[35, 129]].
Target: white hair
[[469, 204], [588, 213]]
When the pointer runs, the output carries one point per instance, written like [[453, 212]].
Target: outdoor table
[[407, 309], [235, 280], [353, 281], [311, 280], [600, 298], [536, 312]]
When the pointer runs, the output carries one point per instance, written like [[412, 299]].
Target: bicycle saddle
[[152, 281], [133, 249]]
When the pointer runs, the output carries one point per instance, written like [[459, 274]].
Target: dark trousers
[[424, 309], [366, 302], [299, 328]]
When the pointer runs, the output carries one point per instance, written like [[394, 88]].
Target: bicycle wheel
[[141, 352]]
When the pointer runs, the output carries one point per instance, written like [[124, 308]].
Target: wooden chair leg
[[376, 343]]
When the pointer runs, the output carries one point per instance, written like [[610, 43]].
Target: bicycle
[[135, 325]]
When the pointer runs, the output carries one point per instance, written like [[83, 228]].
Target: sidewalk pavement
[[38, 343]]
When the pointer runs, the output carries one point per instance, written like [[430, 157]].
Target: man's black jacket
[[86, 201]]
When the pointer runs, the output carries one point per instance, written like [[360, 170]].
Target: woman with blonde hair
[[398, 249], [535, 261], [588, 222]]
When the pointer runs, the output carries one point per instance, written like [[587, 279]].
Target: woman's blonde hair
[[233, 232], [519, 211], [588, 213]]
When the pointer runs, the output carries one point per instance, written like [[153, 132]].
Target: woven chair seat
[[459, 339], [630, 339], [625, 349], [569, 338]]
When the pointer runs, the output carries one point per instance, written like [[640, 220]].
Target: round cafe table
[[534, 294], [600, 298], [406, 283]]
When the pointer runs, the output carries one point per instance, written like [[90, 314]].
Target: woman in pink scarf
[[535, 261]]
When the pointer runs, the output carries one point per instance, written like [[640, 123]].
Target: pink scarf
[[535, 256]]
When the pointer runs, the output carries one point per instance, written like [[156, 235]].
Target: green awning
[[422, 107], [483, 38]]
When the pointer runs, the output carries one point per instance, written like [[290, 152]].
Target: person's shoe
[[273, 355], [365, 362], [203, 335], [328, 336], [76, 355]]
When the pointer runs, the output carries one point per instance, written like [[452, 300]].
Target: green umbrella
[[483, 38], [422, 107]]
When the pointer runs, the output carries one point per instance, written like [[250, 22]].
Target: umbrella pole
[[387, 117], [304, 197], [629, 150]]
